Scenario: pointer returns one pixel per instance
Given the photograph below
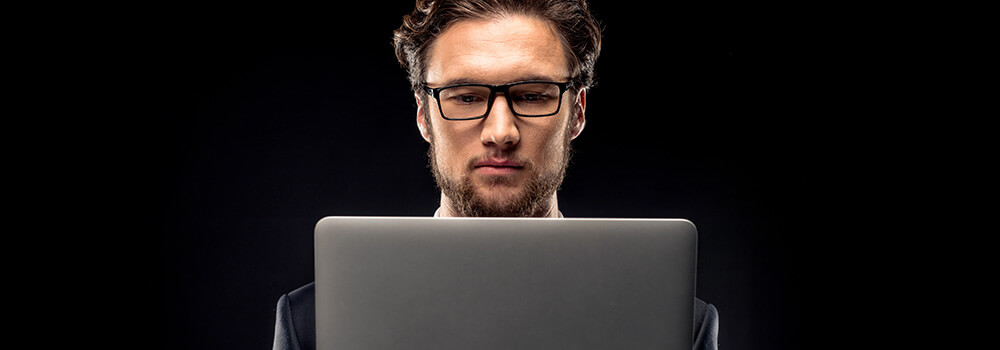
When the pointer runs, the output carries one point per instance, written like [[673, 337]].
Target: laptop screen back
[[504, 283]]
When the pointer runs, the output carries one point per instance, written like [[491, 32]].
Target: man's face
[[500, 165]]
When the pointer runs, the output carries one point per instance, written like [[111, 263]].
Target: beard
[[533, 199]]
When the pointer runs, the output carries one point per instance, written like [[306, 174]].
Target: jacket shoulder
[[706, 326], [295, 325]]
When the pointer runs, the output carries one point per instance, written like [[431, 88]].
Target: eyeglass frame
[[505, 88]]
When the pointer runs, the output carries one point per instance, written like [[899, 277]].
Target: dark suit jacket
[[295, 327]]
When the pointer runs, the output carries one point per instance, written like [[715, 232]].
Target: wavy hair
[[578, 31]]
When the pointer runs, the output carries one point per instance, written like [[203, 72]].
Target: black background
[[258, 121]]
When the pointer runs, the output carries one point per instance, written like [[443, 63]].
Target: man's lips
[[498, 166], [506, 163]]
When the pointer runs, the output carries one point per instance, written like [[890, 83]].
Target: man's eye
[[467, 99], [532, 97]]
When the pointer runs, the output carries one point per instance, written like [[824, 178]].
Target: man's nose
[[499, 127]]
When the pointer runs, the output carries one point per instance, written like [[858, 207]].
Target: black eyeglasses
[[474, 101]]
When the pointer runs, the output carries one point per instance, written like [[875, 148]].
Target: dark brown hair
[[578, 31]]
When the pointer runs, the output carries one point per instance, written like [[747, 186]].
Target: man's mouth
[[497, 166]]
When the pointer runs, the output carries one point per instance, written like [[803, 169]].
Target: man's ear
[[579, 119], [425, 130]]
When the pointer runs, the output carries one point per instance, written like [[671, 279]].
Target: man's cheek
[[450, 162]]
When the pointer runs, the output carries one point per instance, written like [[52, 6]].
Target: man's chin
[[498, 197], [500, 182], [498, 200]]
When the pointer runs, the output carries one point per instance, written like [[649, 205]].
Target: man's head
[[505, 150]]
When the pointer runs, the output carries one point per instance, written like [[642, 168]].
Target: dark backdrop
[[265, 119]]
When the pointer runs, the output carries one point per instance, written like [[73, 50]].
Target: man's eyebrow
[[459, 81]]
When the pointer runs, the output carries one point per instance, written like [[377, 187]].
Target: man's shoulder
[[705, 315], [296, 320], [703, 309], [706, 326], [302, 305], [304, 294]]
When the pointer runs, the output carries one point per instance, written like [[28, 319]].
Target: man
[[500, 87]]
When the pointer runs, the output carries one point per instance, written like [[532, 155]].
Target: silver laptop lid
[[504, 283]]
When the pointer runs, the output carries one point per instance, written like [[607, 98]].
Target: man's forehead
[[495, 51]]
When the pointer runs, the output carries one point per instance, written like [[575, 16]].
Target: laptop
[[504, 283]]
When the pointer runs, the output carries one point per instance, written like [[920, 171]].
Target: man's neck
[[447, 209]]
